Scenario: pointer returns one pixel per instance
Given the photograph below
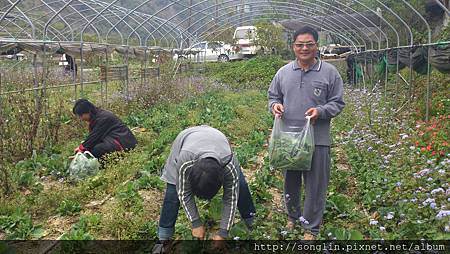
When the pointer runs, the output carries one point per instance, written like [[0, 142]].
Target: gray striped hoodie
[[196, 143]]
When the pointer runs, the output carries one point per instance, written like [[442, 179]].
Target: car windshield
[[245, 34], [214, 45]]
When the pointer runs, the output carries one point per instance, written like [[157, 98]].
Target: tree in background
[[270, 37]]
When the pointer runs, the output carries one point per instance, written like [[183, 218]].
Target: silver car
[[205, 51]]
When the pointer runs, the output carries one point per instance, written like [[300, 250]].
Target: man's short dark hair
[[206, 178], [83, 106], [306, 30]]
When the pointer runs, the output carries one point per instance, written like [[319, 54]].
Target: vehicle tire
[[223, 58]]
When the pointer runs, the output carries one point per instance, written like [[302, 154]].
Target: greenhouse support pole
[[35, 81], [428, 96], [386, 70], [74, 76], [410, 88], [81, 69], [127, 94], [364, 71], [106, 74], [396, 77]]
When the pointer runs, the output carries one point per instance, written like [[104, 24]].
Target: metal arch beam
[[147, 15], [401, 20], [251, 3], [134, 30], [384, 20], [33, 28], [94, 10], [427, 96], [7, 31], [423, 19], [168, 20], [9, 10], [356, 12], [124, 10], [245, 18], [53, 17], [56, 14], [262, 13], [257, 2], [293, 11], [96, 16], [112, 12], [368, 20], [124, 17], [39, 22], [81, 13], [148, 19], [5, 28], [84, 17]]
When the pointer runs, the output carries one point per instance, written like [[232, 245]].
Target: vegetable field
[[389, 180]]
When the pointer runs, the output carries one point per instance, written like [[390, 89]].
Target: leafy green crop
[[288, 152], [69, 207]]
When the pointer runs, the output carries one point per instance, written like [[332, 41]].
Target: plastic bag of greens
[[83, 165], [291, 147]]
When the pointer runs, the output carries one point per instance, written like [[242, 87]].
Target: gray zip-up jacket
[[196, 143], [320, 87]]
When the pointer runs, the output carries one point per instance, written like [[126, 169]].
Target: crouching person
[[107, 133], [200, 163]]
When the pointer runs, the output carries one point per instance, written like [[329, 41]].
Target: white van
[[244, 37]]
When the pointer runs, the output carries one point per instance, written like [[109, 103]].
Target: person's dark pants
[[104, 147], [171, 205]]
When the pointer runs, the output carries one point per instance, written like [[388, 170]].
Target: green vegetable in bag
[[83, 165], [293, 149]]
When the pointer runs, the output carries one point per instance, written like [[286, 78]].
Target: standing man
[[200, 163], [307, 87]]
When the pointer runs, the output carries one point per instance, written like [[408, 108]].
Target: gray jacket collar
[[315, 67]]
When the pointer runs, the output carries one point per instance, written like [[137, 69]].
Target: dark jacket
[[106, 127]]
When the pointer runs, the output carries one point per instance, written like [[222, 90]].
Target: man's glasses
[[308, 45]]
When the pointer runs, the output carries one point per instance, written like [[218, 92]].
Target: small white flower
[[390, 215], [236, 238], [373, 222], [330, 234], [428, 201], [433, 205], [437, 191], [382, 229], [284, 233], [442, 214], [303, 220]]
